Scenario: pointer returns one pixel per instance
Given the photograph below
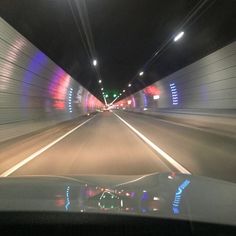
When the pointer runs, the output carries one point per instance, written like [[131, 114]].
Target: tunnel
[[41, 102], [35, 92], [118, 117]]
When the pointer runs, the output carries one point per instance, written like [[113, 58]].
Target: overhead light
[[124, 91], [179, 36], [103, 93], [100, 81], [141, 73], [129, 85], [95, 62], [120, 94], [102, 89]]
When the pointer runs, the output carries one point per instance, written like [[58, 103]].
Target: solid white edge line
[[167, 157], [37, 153]]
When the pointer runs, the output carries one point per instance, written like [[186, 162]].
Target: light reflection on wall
[[133, 101], [58, 88], [151, 90], [145, 101], [33, 69], [12, 55], [150, 93], [91, 102], [70, 97], [85, 103]]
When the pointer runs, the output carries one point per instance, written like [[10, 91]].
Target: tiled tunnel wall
[[207, 84], [33, 87]]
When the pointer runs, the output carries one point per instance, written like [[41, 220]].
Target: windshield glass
[[119, 106]]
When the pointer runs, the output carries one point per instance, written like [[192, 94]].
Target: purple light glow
[[58, 88], [133, 101], [33, 69]]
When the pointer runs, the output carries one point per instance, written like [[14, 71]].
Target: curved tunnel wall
[[33, 87], [209, 83]]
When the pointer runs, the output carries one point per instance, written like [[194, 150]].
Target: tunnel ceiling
[[122, 35]]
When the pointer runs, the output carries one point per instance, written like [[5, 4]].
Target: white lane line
[[34, 155], [167, 157]]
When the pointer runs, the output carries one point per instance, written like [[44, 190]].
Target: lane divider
[[167, 157], [40, 151]]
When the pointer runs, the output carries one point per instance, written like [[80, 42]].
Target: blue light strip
[[67, 198], [70, 100], [145, 100], [178, 196], [174, 94]]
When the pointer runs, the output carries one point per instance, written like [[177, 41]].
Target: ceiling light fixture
[[179, 36], [95, 62], [141, 73]]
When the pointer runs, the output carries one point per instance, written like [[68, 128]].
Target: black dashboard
[[46, 223]]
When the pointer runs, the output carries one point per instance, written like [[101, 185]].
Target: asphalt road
[[201, 152], [106, 145]]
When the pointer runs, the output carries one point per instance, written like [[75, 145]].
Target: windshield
[[121, 96]]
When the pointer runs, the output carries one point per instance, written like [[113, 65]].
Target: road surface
[[119, 143]]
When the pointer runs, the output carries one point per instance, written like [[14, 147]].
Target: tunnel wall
[[209, 83], [33, 87]]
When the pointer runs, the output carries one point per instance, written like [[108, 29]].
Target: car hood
[[167, 195]]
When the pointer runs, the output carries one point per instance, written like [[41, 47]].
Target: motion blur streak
[[156, 148], [106, 146], [36, 154], [101, 146]]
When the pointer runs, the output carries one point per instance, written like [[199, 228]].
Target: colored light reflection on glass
[[144, 196], [178, 195], [132, 194], [60, 201], [144, 210], [67, 205]]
